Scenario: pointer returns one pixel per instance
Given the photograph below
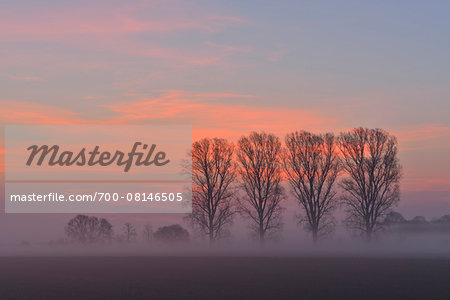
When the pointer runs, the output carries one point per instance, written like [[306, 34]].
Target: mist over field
[[292, 241], [310, 138], [409, 263]]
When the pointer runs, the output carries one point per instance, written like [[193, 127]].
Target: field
[[223, 278]]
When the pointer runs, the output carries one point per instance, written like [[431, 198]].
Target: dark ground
[[223, 278]]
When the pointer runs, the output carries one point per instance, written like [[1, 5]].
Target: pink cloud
[[422, 132], [14, 112], [123, 29], [100, 21], [423, 137], [425, 184], [211, 115], [212, 118]]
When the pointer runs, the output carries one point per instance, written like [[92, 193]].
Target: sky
[[229, 67]]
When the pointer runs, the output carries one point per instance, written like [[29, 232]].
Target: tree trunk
[[315, 235], [211, 232], [261, 234], [369, 234], [211, 237]]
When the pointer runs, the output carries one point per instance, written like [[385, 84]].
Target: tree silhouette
[[394, 218], [312, 166], [260, 172], [129, 232], [147, 232], [372, 185], [213, 172], [88, 230], [171, 233]]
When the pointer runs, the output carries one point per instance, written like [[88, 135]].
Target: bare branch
[[312, 166], [213, 172], [260, 172], [372, 185]]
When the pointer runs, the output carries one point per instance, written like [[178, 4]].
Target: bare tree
[[88, 230], [129, 232], [148, 232], [312, 166], [260, 170], [171, 234], [213, 172], [373, 169], [105, 230]]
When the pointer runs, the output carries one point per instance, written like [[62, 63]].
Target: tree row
[[358, 169]]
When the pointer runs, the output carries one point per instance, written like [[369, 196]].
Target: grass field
[[223, 278]]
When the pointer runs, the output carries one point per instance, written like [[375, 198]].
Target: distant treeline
[[92, 230], [395, 222]]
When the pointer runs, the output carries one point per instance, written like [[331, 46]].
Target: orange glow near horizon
[[231, 121]]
